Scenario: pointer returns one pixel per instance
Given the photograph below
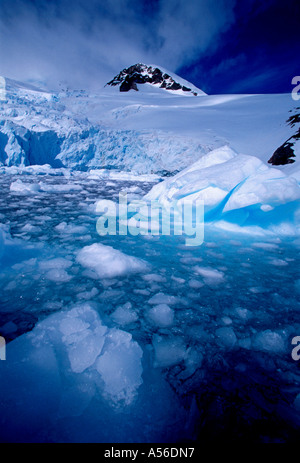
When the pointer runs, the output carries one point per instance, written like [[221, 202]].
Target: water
[[223, 344]]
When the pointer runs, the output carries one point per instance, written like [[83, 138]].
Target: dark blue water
[[225, 354]]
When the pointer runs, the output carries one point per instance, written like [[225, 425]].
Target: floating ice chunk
[[108, 262], [78, 337], [11, 286], [257, 289], [111, 295], [195, 284], [153, 277], [266, 207], [71, 229], [161, 315], [21, 188], [58, 275], [226, 337], [168, 350], [210, 275], [59, 188], [243, 314], [57, 263], [144, 292], [88, 295], [178, 280], [193, 361], [266, 246], [161, 298], [29, 228], [85, 347], [278, 262], [226, 320], [120, 366], [124, 315], [72, 325], [269, 341]]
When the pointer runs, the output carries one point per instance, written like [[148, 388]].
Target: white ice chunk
[[57, 263], [168, 350], [226, 337], [59, 188], [153, 277], [75, 342], [161, 298], [120, 366], [210, 275], [21, 188], [84, 349], [161, 315], [58, 275], [269, 341], [124, 315], [108, 262], [71, 229]]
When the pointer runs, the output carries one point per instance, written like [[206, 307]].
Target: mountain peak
[[140, 73]]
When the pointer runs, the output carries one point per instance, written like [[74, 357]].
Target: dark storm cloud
[[87, 42]]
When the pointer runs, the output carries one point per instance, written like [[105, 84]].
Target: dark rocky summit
[[285, 153], [142, 74]]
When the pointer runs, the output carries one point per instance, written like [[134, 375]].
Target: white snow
[[140, 132]]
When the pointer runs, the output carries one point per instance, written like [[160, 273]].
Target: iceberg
[[235, 188]]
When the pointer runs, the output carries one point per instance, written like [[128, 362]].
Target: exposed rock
[[142, 74], [284, 154]]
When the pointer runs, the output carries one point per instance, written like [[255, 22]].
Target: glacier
[[142, 338]]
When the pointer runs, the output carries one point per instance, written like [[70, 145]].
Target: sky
[[221, 46]]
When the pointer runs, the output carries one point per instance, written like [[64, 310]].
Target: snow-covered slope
[[141, 131]]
